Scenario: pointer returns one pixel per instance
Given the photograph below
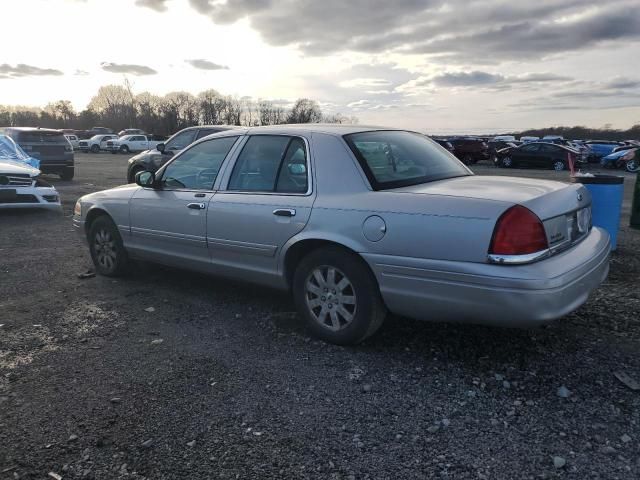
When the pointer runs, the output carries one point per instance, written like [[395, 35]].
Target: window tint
[[205, 131], [198, 167], [181, 140], [261, 163], [530, 148], [394, 159], [293, 171], [549, 149], [42, 137]]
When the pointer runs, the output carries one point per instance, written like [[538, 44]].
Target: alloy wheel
[[632, 166], [506, 161], [105, 248], [330, 297], [558, 166]]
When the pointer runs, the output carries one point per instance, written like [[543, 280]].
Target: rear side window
[[41, 137], [393, 159], [181, 140], [271, 163]]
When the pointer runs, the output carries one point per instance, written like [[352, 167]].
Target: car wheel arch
[[297, 250], [93, 214]]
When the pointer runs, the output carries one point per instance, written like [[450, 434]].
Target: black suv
[[470, 149], [49, 146], [152, 160]]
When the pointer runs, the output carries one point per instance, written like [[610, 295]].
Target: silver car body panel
[[426, 244]]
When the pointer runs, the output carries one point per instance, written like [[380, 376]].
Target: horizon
[[514, 67]]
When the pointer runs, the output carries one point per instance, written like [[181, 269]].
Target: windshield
[[393, 159]]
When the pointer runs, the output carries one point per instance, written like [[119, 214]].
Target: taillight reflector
[[518, 231]]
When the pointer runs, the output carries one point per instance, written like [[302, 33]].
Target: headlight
[[77, 210]]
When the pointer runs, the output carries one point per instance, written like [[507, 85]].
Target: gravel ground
[[173, 375]]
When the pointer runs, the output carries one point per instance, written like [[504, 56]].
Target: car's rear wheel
[[506, 162], [632, 166], [107, 251], [124, 149], [67, 174], [132, 174], [338, 296], [94, 149], [558, 165]]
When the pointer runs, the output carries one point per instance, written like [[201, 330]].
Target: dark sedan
[[536, 155]]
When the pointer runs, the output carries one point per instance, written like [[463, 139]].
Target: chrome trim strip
[[519, 259]]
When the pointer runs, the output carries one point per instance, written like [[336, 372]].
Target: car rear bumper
[[512, 296]]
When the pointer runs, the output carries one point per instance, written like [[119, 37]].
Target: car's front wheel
[[124, 149], [632, 166], [107, 251], [506, 162], [132, 174], [338, 296], [94, 148]]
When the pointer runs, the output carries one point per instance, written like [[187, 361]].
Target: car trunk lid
[[565, 209]]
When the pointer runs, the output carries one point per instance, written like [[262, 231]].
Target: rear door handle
[[196, 206], [284, 212]]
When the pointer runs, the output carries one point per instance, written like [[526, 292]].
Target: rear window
[[42, 137], [393, 159]]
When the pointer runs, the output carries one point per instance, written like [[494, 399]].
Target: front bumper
[[31, 197], [502, 295]]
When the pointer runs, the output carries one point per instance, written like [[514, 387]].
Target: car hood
[[546, 198], [10, 166]]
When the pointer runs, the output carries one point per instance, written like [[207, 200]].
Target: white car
[[20, 185], [73, 140], [131, 143], [96, 143]]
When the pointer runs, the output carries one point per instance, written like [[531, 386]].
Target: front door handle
[[284, 212], [196, 206]]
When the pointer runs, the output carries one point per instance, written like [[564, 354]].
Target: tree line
[[118, 107]]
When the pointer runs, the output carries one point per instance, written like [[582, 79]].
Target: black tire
[[558, 165], [124, 149], [632, 166], [67, 174], [367, 310], [94, 148], [132, 174], [506, 162], [105, 245]]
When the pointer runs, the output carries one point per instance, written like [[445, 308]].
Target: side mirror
[[160, 147], [145, 179]]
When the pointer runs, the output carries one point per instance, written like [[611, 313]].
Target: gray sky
[[436, 66]]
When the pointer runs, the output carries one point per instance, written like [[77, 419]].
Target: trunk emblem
[[579, 197]]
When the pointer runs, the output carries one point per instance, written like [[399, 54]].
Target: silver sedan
[[356, 222]]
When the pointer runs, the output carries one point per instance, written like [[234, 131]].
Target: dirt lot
[[221, 381]]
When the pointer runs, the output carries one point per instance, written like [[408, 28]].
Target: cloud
[[206, 65], [127, 68], [499, 29], [157, 5], [464, 79], [81, 73], [481, 79], [22, 70]]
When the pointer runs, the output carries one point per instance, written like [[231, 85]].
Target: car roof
[[330, 129], [34, 129]]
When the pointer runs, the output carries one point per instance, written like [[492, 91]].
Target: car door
[[168, 222], [525, 156], [266, 200], [138, 143], [546, 155]]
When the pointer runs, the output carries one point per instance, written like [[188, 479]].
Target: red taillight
[[518, 231]]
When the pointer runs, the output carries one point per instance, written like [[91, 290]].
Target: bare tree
[[305, 111]]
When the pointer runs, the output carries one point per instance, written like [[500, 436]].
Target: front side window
[[271, 163], [393, 159], [181, 140], [198, 167], [530, 148]]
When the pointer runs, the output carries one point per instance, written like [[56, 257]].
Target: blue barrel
[[606, 196]]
